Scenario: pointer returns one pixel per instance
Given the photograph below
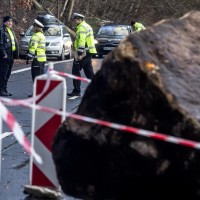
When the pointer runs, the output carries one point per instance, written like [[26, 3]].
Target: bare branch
[[40, 7], [70, 9], [37, 5], [64, 7]]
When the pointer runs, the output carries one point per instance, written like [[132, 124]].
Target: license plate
[[108, 48]]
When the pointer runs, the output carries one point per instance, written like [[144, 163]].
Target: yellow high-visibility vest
[[12, 39], [37, 47], [138, 26], [84, 38]]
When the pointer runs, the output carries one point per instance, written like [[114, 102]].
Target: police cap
[[78, 16], [37, 23], [7, 18]]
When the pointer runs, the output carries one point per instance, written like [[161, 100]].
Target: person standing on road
[[84, 49], [8, 52], [137, 26], [37, 51]]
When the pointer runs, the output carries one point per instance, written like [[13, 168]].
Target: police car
[[58, 40]]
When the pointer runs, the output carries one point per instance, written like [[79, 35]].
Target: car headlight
[[55, 44], [96, 41], [24, 43]]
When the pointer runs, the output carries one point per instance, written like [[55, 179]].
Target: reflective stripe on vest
[[12, 39]]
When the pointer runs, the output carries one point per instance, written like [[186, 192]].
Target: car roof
[[52, 25], [115, 25]]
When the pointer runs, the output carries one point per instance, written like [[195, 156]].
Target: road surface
[[15, 161]]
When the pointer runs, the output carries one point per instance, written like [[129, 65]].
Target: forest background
[[97, 12]]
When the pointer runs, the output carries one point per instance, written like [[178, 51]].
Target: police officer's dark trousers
[[86, 65], [37, 68], [6, 65]]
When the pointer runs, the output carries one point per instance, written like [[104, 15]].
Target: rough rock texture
[[151, 81]]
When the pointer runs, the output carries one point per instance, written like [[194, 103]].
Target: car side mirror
[[66, 35], [22, 34]]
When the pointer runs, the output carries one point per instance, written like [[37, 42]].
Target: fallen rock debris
[[151, 81]]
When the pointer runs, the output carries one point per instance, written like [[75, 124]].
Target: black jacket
[[6, 44]]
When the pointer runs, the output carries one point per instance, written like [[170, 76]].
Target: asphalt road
[[14, 160]]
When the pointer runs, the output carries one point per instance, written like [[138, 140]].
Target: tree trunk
[[64, 7], [58, 9], [70, 10], [39, 7]]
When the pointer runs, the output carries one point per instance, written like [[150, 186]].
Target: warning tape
[[13, 124], [4, 135], [70, 76], [133, 130], [15, 127], [17, 131], [46, 86]]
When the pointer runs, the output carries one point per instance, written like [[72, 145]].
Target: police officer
[[37, 50], [8, 52], [84, 49], [137, 26]]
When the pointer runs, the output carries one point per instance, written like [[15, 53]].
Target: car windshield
[[114, 30], [48, 31]]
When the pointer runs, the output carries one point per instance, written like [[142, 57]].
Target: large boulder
[[151, 81]]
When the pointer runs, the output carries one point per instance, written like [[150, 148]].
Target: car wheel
[[62, 57]]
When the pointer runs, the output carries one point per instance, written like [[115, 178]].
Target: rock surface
[[151, 81]]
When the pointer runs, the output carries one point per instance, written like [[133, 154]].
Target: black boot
[[74, 93], [30, 95], [6, 91], [4, 94]]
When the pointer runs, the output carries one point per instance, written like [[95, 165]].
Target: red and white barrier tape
[[4, 135], [14, 126], [71, 76], [46, 86], [18, 133], [142, 132]]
